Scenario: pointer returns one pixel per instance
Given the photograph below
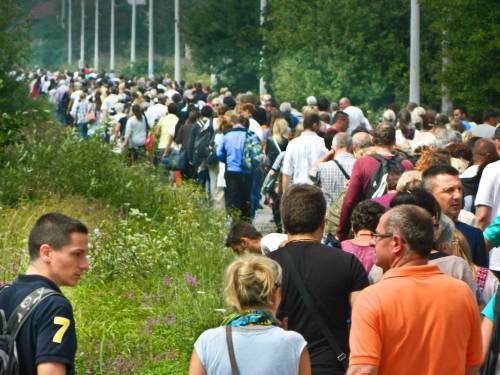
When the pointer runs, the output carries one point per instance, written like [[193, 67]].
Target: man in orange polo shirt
[[416, 320]]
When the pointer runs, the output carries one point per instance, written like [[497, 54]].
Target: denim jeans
[[83, 130]]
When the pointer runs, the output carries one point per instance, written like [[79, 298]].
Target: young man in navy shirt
[[46, 343]]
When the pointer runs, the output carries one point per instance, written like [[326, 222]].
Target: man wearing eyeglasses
[[416, 319]]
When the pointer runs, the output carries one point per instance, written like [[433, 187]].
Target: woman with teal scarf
[[259, 345]]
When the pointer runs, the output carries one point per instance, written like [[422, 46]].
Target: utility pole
[[112, 38], [70, 19], [151, 40], [82, 35], [63, 12], [132, 37], [96, 37], [415, 52], [177, 58], [262, 83]]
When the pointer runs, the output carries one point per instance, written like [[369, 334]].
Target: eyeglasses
[[378, 236]]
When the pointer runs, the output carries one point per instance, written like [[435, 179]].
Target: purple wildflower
[[170, 319], [190, 279], [167, 281]]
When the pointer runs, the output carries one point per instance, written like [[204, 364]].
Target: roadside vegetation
[[157, 255]]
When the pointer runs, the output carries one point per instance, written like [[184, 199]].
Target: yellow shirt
[[166, 125]]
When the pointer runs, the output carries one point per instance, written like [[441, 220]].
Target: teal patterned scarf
[[253, 317]]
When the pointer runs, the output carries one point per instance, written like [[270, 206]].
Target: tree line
[[358, 48]]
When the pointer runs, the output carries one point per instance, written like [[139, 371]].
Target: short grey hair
[[285, 107], [342, 140], [414, 225], [362, 140], [311, 100]]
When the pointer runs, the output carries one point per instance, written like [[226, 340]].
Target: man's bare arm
[[285, 182], [51, 368], [483, 216]]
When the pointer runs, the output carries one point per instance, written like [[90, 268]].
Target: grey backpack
[[9, 329]]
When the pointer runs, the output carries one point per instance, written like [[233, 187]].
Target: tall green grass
[[157, 255]]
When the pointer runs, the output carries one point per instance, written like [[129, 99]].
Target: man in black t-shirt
[[332, 277], [46, 343]]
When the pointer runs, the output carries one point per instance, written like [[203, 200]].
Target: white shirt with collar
[[301, 153]]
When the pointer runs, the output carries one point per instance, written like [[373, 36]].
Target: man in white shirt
[[488, 200], [302, 152], [157, 111], [488, 194], [109, 101], [356, 116]]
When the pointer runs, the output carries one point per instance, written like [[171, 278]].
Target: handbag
[[91, 116], [150, 137], [150, 140], [175, 160], [310, 305]]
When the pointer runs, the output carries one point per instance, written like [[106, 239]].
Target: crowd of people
[[387, 241]]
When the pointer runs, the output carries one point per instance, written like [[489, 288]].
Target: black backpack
[[204, 146], [9, 329], [378, 181]]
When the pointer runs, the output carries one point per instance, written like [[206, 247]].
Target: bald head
[[344, 103], [361, 140], [484, 151]]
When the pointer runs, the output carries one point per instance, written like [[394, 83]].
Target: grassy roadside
[[157, 255], [152, 289]]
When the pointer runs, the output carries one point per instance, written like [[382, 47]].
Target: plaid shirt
[[82, 108], [330, 178]]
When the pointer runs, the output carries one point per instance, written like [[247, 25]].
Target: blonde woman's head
[[251, 282], [279, 129]]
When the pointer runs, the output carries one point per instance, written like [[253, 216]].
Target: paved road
[[264, 221]]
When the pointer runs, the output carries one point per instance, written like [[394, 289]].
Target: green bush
[[157, 255], [152, 288]]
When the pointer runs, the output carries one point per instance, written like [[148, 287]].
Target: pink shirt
[[364, 253]]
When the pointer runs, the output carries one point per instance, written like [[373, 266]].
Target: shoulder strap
[[308, 301], [378, 157], [26, 307], [146, 120], [276, 144], [230, 349], [346, 175]]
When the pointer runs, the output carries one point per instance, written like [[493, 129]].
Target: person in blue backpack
[[46, 341], [238, 175]]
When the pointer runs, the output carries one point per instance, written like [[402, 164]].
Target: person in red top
[[384, 138], [416, 320]]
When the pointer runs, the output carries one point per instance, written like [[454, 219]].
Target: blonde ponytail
[[251, 281]]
